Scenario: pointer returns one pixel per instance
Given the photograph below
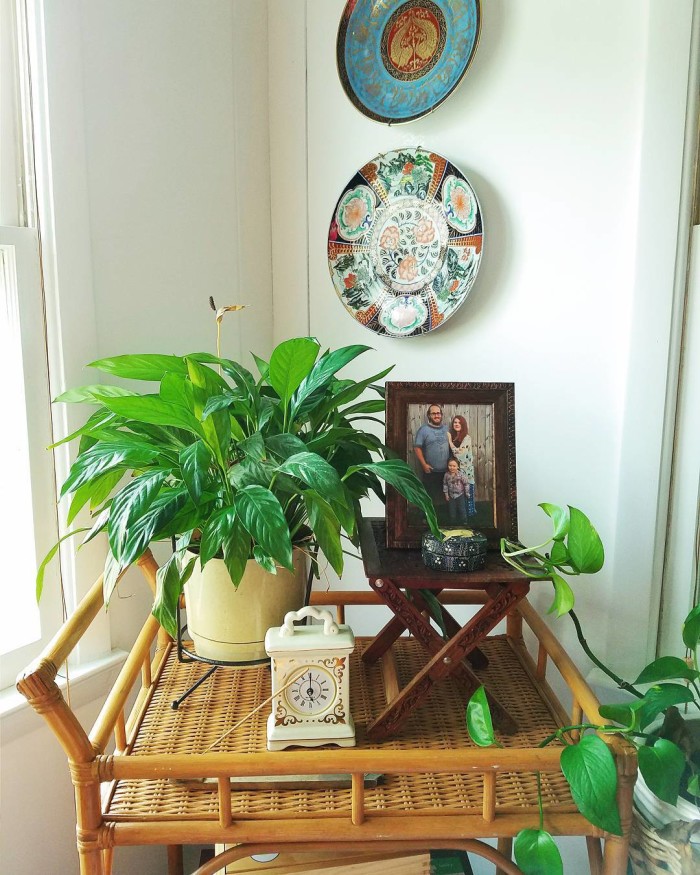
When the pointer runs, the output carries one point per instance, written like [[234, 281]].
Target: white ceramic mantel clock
[[310, 682]]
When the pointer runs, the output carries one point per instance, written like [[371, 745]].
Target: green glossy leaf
[[397, 474], [170, 580], [479, 722], [248, 472], [113, 570], [371, 405], [662, 767], [263, 518], [236, 547], [94, 492], [99, 525], [622, 714], [41, 571], [667, 668], [330, 438], [262, 366], [285, 445], [559, 517], [326, 528], [215, 532], [204, 377], [194, 466], [153, 409], [290, 363], [92, 394], [253, 447], [101, 458], [563, 596], [584, 544], [219, 402], [323, 371], [691, 628], [315, 472], [128, 505], [536, 853], [559, 555], [241, 376], [216, 428], [98, 420], [147, 527], [658, 698], [141, 367], [589, 767], [350, 391], [694, 786], [264, 561]]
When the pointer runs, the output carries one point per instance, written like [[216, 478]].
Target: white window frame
[[22, 246]]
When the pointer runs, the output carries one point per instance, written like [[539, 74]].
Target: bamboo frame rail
[[439, 791]]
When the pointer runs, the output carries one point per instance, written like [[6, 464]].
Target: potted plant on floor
[[250, 475], [667, 743]]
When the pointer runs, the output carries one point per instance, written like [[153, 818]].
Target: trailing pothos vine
[[666, 759]]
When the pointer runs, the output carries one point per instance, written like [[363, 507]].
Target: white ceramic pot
[[657, 812], [227, 623]]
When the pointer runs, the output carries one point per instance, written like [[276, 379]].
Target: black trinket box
[[462, 550]]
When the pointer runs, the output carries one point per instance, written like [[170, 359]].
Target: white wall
[[570, 126]]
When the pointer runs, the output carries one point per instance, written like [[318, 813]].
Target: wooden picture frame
[[489, 486]]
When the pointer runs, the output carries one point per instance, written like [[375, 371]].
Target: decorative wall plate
[[404, 244], [399, 59]]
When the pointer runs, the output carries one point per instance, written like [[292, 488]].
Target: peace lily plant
[[587, 763], [244, 466]]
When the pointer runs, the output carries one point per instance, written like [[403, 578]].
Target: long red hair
[[463, 432]]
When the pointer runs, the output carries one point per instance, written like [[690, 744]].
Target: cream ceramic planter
[[228, 624]]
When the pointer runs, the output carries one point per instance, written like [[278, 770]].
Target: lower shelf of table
[[438, 724]]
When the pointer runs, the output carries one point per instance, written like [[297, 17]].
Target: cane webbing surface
[[439, 723]]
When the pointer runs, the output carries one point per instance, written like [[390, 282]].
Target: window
[[27, 509]]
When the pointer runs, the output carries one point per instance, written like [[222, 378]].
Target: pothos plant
[[666, 759], [246, 466]]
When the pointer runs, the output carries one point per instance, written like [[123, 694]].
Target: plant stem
[[622, 684], [539, 799]]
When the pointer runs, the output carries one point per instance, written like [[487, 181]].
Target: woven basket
[[651, 853]]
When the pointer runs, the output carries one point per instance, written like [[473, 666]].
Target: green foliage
[[536, 854], [588, 765], [479, 722], [575, 549], [253, 467]]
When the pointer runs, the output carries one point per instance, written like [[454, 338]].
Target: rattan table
[[139, 779]]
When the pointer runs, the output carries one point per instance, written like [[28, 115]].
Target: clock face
[[313, 692]]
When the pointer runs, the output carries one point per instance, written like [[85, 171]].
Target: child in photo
[[455, 487]]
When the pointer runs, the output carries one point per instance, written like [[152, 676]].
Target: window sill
[[87, 683]]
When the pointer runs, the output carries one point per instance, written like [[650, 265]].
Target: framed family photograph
[[459, 438]]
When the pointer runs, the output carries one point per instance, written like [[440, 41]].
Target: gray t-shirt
[[433, 442]]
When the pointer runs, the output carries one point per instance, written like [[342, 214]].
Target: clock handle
[[330, 627]]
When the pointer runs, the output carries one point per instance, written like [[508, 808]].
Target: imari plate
[[404, 244], [399, 59]]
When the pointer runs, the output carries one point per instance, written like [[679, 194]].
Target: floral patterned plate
[[404, 244], [399, 59]]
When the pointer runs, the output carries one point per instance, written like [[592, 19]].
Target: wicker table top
[[232, 693]]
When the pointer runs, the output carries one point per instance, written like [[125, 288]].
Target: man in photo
[[433, 452]]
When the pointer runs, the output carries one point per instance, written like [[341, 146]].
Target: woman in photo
[[461, 448]]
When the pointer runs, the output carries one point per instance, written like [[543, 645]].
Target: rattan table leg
[[595, 855], [90, 862], [505, 847]]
